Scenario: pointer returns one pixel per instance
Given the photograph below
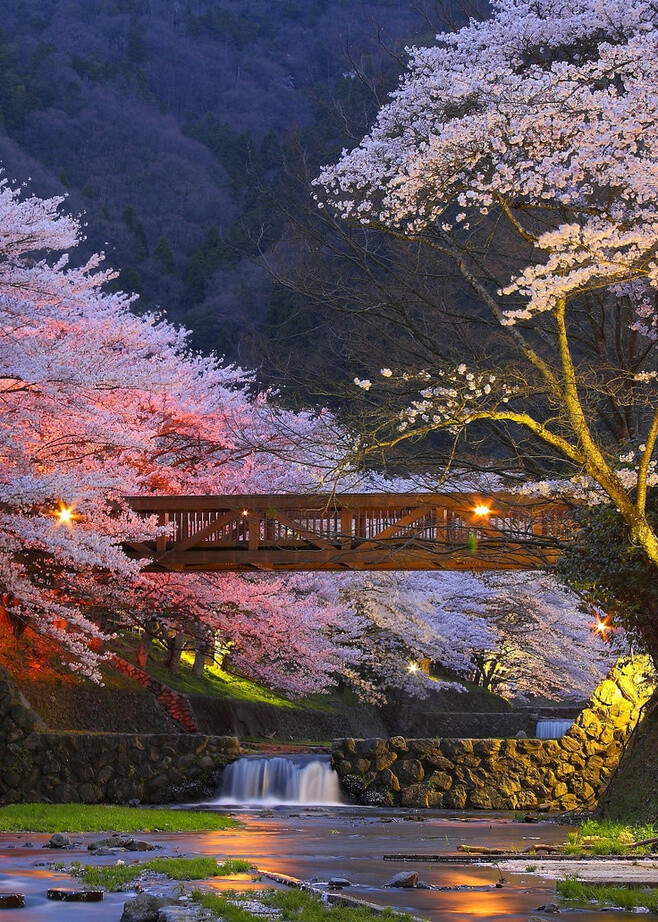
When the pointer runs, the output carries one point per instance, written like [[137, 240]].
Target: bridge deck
[[358, 531]]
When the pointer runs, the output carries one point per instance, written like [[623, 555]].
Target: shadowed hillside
[[161, 120]]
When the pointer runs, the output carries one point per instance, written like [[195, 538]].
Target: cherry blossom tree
[[98, 403], [522, 150], [535, 632]]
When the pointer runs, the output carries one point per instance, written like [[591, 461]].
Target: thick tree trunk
[[176, 644], [200, 659], [144, 649], [145, 643], [205, 645]]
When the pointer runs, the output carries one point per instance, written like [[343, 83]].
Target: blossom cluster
[[546, 108]]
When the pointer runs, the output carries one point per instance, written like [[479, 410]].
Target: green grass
[[95, 818], [114, 877], [608, 895], [603, 837], [215, 681], [292, 905]]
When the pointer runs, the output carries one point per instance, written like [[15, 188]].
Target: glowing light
[[65, 515], [481, 509], [413, 668], [602, 627], [245, 512]]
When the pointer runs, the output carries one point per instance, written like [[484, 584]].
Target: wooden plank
[[337, 559]]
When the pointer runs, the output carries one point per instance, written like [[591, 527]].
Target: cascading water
[[549, 729], [263, 781]]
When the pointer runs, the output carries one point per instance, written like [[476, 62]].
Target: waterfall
[[550, 729], [280, 780]]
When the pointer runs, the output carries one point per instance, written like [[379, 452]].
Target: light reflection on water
[[331, 842], [350, 842]]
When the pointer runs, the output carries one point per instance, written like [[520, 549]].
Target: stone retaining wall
[[504, 774], [41, 766]]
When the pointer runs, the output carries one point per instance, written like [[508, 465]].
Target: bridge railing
[[363, 531]]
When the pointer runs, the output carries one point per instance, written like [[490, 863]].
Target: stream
[[318, 842], [294, 824]]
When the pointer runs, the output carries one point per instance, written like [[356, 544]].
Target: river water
[[350, 842], [322, 843], [316, 843]]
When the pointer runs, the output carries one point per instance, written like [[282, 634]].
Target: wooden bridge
[[357, 531]]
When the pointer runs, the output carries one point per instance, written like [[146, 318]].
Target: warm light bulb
[[65, 515], [245, 512], [481, 509], [602, 627], [413, 667]]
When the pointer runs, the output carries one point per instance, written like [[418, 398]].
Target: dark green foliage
[[231, 149], [220, 22], [204, 263], [21, 90], [134, 225], [603, 563], [135, 44], [164, 256]]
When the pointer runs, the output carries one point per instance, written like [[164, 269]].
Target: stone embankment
[[37, 765], [505, 774]]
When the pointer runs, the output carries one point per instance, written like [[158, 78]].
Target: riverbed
[[350, 842]]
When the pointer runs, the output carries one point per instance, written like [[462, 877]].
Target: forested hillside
[[165, 121]]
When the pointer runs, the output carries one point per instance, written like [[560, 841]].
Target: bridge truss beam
[[358, 531]]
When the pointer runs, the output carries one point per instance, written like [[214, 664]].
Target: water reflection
[[350, 842], [323, 843]]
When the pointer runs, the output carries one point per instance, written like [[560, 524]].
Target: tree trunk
[[144, 649], [176, 644], [198, 666], [145, 644], [204, 648]]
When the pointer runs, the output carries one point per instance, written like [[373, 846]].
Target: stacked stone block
[[41, 766], [504, 774]]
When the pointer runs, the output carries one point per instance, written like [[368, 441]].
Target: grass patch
[[608, 895], [603, 837], [114, 877], [292, 905], [96, 818], [215, 682]]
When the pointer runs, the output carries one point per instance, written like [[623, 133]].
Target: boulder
[[178, 914], [142, 908], [59, 840], [410, 771], [405, 879], [415, 795], [439, 781], [74, 896]]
